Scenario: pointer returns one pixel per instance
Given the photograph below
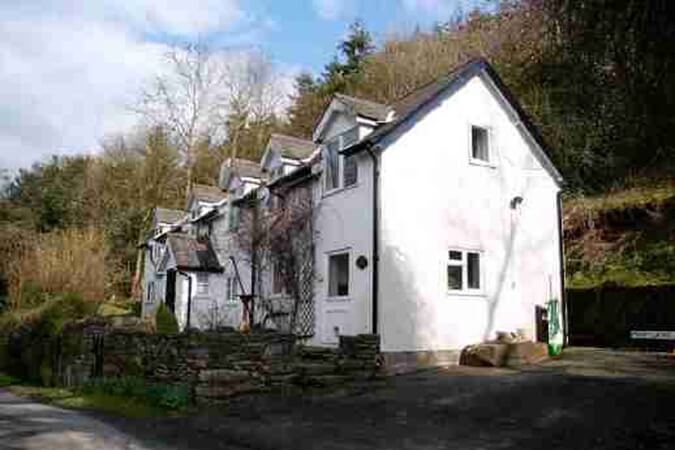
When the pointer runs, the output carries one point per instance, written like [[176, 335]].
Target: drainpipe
[[561, 250], [189, 302], [376, 255]]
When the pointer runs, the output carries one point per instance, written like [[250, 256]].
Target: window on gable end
[[480, 143]]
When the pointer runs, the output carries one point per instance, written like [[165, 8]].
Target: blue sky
[[304, 33], [69, 69]]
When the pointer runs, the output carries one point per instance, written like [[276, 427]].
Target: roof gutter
[[376, 235]]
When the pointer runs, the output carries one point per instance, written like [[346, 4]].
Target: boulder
[[499, 354], [522, 353], [486, 355]]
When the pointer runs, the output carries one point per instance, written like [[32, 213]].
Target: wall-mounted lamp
[[516, 201]]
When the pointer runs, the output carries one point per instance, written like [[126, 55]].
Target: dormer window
[[340, 171], [233, 218], [480, 144]]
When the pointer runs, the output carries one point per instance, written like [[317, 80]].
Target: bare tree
[[186, 99], [290, 249], [212, 96], [277, 239], [253, 94]]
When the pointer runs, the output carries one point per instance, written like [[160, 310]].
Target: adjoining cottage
[[437, 219]]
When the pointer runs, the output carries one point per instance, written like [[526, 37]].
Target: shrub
[[30, 346], [166, 320], [74, 261]]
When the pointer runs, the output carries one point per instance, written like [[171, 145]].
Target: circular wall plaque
[[362, 262]]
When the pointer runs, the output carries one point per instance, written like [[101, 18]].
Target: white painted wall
[[434, 199], [344, 222]]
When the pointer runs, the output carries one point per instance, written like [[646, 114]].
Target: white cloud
[[179, 16], [441, 9], [334, 9], [70, 69]]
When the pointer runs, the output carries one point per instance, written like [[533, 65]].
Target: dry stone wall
[[217, 365]]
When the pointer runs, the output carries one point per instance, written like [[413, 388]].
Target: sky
[[71, 69]]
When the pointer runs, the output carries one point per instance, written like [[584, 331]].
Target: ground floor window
[[464, 271], [231, 289], [277, 279], [202, 284], [338, 274]]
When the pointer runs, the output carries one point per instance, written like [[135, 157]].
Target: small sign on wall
[[658, 335]]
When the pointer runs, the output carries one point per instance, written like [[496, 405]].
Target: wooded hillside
[[596, 76]]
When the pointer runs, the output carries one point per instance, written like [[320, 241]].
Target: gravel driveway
[[590, 399]]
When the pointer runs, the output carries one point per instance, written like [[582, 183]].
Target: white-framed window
[[340, 171], [465, 271], [481, 145], [231, 289], [233, 218], [350, 171], [338, 274], [277, 279], [332, 165], [150, 295], [156, 251], [202, 283]]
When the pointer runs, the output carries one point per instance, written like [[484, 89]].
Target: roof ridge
[[288, 136], [360, 99], [438, 79]]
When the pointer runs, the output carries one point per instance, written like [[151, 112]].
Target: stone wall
[[217, 365]]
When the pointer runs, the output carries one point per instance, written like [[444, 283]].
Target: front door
[[170, 298]]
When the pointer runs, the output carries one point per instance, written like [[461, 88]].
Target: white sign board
[[661, 335]]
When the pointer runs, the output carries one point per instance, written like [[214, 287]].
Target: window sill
[[338, 299], [340, 189], [479, 294], [480, 162]]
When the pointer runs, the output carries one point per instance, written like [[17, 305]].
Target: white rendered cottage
[[438, 217]]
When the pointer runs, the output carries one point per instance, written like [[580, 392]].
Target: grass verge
[[124, 406]]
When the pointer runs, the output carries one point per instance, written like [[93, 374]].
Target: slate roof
[[193, 254], [206, 193], [407, 106], [247, 168], [164, 215], [365, 108], [290, 146]]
